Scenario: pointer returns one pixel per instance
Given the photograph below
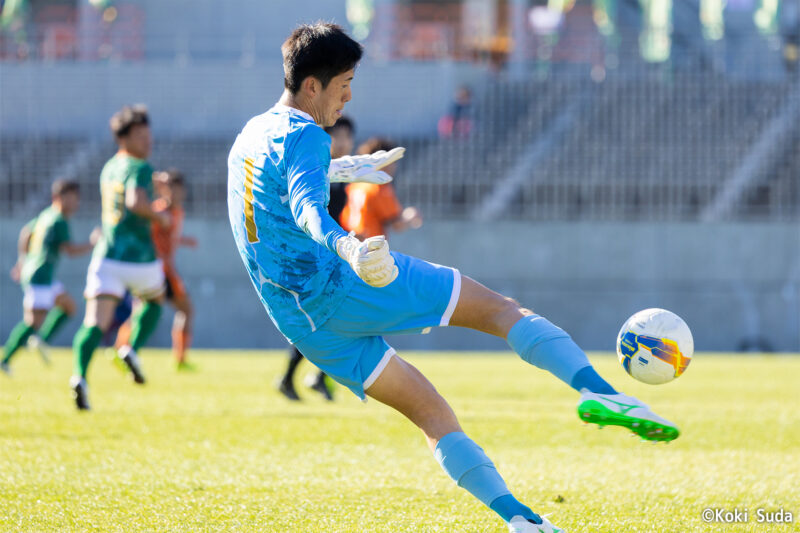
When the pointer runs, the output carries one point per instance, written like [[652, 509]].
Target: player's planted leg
[[404, 388], [540, 343]]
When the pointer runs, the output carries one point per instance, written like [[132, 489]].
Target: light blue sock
[[543, 344], [467, 464]]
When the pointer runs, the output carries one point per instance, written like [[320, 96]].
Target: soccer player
[[373, 209], [341, 145], [46, 305], [170, 187], [124, 258], [335, 296]]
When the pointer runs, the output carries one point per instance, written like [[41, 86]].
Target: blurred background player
[[46, 305], [170, 187], [124, 257], [373, 209], [342, 134]]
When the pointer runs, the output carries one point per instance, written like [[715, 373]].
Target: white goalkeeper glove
[[370, 259], [364, 168]]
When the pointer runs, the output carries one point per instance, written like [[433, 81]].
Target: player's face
[[341, 142], [69, 203], [139, 141], [331, 99]]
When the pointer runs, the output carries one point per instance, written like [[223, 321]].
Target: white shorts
[[112, 278], [41, 296]]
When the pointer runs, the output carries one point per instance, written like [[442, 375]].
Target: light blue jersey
[[278, 192]]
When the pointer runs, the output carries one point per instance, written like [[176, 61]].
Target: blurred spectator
[[458, 123], [373, 209], [790, 31]]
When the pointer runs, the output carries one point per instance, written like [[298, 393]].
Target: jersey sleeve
[[62, 232], [141, 176], [307, 173]]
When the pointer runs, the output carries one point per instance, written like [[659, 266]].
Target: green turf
[[220, 450]]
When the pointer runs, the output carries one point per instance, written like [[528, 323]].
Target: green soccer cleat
[[625, 411]]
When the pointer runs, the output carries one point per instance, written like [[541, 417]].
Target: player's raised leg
[[404, 388], [65, 308], [61, 312], [143, 322], [541, 343]]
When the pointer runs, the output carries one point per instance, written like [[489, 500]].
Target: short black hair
[[342, 122], [61, 187], [126, 118], [322, 50]]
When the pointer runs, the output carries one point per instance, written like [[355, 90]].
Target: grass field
[[219, 449]]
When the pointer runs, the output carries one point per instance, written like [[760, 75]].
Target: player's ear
[[312, 86]]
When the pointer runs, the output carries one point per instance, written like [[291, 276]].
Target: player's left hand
[[364, 168], [370, 260]]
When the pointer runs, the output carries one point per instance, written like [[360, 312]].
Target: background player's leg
[[404, 388], [123, 334], [143, 322], [99, 312], [32, 319], [319, 384], [533, 337], [286, 385], [181, 328], [57, 317]]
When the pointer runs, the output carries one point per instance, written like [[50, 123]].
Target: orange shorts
[[176, 289]]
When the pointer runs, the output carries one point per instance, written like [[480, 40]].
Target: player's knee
[[68, 306]]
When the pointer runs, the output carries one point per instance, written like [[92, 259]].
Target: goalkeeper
[[341, 145], [334, 296]]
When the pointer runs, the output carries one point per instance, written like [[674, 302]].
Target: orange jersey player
[[373, 209], [171, 190]]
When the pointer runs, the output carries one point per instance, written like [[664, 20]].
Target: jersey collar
[[294, 111]]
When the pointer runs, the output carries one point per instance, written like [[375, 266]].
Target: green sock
[[144, 323], [56, 318], [19, 336], [83, 346]]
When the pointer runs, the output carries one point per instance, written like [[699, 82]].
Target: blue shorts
[[349, 346]]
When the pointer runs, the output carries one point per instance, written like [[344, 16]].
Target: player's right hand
[[163, 220], [370, 260]]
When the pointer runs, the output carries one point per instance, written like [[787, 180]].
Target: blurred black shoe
[[287, 389], [318, 384]]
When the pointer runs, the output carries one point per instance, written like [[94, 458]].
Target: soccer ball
[[655, 346]]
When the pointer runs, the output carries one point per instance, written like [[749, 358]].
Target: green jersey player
[[124, 258], [46, 305]]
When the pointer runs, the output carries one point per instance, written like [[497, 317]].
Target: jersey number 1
[[249, 211]]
